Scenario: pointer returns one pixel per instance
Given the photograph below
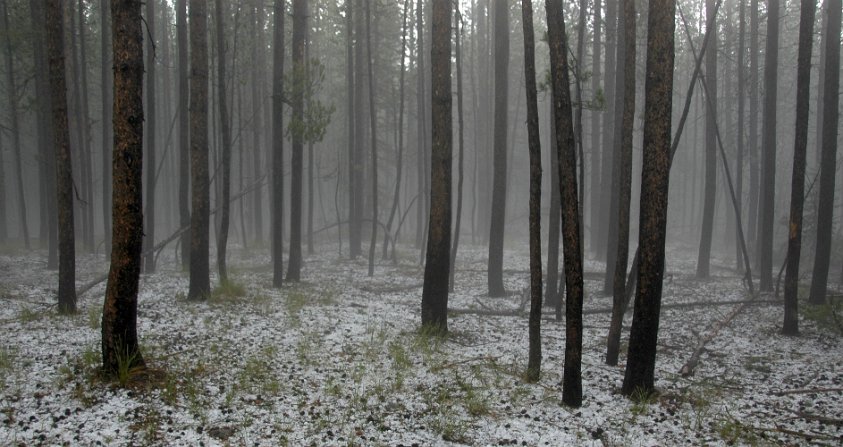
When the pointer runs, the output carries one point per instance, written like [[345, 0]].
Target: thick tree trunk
[[800, 146], [458, 29], [61, 142], [200, 282], [704, 252], [627, 95], [600, 241], [766, 216], [119, 316], [535, 357], [434, 307], [278, 145], [641, 357], [498, 205], [819, 281], [596, 123], [572, 380]]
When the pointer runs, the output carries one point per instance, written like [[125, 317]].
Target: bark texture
[[278, 146], [501, 92]]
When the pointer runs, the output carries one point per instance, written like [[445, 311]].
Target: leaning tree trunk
[[61, 141], [572, 380], [200, 282], [120, 311]]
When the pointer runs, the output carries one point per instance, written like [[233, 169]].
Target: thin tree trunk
[[627, 95], [358, 165], [64, 174], [740, 143], [119, 316], [421, 127], [600, 237], [184, 131], [350, 104], [151, 143], [535, 357], [768, 145], [107, 104], [458, 30], [225, 164], [257, 113], [373, 123], [11, 86], [278, 145], [754, 180], [299, 30], [704, 253], [596, 115], [87, 179]]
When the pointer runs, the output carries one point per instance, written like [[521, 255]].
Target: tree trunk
[[107, 104], [641, 357], [600, 237], [572, 380], [151, 143], [819, 280], [535, 358], [797, 191], [225, 164], [596, 115], [766, 214], [704, 253], [627, 94], [11, 86], [501, 92], [553, 296], [400, 149], [119, 316], [278, 145], [184, 131], [358, 163], [740, 143], [434, 308], [200, 282], [458, 30], [352, 131], [373, 120], [61, 141], [297, 161], [87, 167], [257, 113]]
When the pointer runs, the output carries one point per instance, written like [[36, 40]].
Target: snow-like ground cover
[[338, 360]]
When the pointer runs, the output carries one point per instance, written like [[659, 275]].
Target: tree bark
[[501, 92], [119, 316], [373, 120], [754, 174], [766, 214], [61, 141], [434, 308], [200, 282], [278, 145], [184, 130], [641, 357], [151, 143], [819, 280], [740, 132], [107, 132], [600, 237], [297, 161], [355, 225], [596, 115], [225, 163], [627, 94], [704, 252], [535, 357], [458, 30], [572, 380]]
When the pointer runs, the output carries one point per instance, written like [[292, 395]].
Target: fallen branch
[[822, 419], [807, 391], [688, 368]]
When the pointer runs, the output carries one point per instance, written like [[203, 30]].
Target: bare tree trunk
[[641, 357], [184, 131], [350, 111], [768, 156], [819, 280], [151, 142], [400, 149], [225, 164], [299, 36], [119, 316], [626, 93], [600, 237], [11, 85], [434, 308], [498, 205], [740, 143], [278, 145], [596, 115], [704, 253], [572, 380], [553, 296], [87, 177], [200, 282], [257, 113], [107, 104], [535, 358], [373, 120], [358, 165], [458, 30], [64, 174], [800, 147], [754, 180]]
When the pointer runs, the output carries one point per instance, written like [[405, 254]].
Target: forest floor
[[338, 359]]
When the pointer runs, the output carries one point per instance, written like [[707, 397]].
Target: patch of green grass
[[294, 302], [228, 292], [27, 315], [400, 359], [7, 361], [94, 317], [451, 427], [127, 366], [641, 400], [758, 364], [828, 316], [733, 431], [257, 373]]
